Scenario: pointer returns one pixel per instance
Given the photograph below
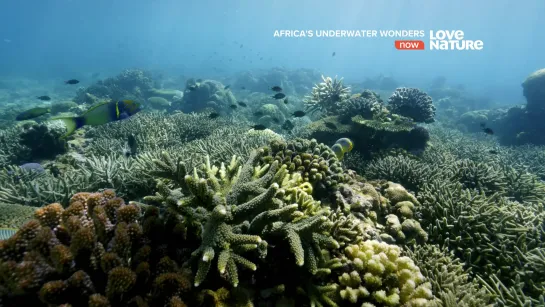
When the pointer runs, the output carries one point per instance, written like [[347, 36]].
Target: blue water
[[71, 39]]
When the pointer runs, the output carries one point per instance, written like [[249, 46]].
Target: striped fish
[[6, 233]]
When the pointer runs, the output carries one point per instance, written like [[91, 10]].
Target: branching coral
[[450, 281], [14, 216], [479, 176], [367, 104], [490, 234], [412, 103], [225, 198], [326, 96]]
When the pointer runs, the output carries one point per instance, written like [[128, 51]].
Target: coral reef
[[366, 104], [372, 136], [266, 209], [293, 82], [534, 91], [412, 103], [97, 252], [43, 141], [206, 94], [132, 84], [326, 96], [14, 216], [450, 281]]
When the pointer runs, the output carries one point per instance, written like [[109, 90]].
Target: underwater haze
[[64, 39], [206, 153]]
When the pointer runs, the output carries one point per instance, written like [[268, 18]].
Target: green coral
[[223, 199], [450, 281], [14, 216], [491, 243]]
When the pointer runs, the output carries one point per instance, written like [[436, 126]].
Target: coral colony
[[367, 194]]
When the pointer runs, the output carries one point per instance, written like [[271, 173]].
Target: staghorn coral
[[326, 96], [19, 186], [99, 251], [450, 281], [479, 176], [491, 243], [227, 197], [412, 103], [169, 132], [246, 215], [14, 216], [11, 150]]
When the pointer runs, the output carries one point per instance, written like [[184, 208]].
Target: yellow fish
[[342, 146], [100, 114]]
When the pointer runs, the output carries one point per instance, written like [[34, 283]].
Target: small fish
[[213, 115], [299, 113], [133, 145], [493, 151], [233, 106], [488, 131], [227, 87], [72, 81], [32, 113], [241, 45], [242, 104], [333, 53], [258, 114], [331, 126], [261, 58], [279, 96], [44, 98], [199, 80], [276, 88], [276, 120], [259, 127], [342, 146], [288, 125], [286, 100], [100, 114], [243, 88], [6, 233]]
